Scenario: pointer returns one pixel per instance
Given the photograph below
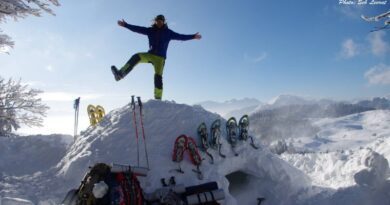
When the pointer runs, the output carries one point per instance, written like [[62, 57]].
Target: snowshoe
[[231, 130], [92, 115], [202, 133], [178, 150], [117, 74], [215, 133], [194, 155], [243, 126], [100, 113]]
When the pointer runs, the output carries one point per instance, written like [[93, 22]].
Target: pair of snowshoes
[[95, 114], [183, 144], [214, 142], [238, 131]]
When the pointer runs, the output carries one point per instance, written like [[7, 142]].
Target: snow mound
[[114, 141], [376, 172]]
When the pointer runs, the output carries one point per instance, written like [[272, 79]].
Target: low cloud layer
[[379, 74]]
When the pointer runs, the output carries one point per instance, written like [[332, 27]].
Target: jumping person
[[159, 36]]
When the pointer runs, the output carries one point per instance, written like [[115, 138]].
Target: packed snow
[[345, 163]]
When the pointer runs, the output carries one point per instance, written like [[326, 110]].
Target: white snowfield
[[351, 175]]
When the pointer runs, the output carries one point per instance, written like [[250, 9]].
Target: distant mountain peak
[[288, 99]]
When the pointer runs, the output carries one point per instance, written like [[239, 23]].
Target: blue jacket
[[159, 38]]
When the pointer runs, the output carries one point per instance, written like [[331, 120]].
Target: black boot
[[116, 72]]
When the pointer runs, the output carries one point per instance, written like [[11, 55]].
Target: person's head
[[159, 21]]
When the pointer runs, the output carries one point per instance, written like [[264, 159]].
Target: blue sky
[[253, 48]]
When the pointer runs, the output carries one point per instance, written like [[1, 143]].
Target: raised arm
[[183, 37], [137, 29]]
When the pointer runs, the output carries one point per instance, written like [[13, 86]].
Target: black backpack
[[123, 188]]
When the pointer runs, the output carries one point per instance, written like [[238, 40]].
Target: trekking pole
[[143, 131], [135, 126], [76, 116]]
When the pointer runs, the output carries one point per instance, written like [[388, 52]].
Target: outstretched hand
[[197, 36], [122, 23]]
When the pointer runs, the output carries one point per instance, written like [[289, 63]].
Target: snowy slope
[[28, 154], [113, 141], [350, 157], [348, 132]]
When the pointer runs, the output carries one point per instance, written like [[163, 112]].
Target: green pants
[[158, 63]]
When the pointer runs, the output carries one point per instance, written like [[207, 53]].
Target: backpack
[[121, 188]]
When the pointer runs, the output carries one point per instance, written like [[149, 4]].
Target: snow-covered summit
[[114, 141], [285, 99], [234, 107]]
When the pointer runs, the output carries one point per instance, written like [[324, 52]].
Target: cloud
[[379, 47], [49, 68], [65, 97], [34, 84], [379, 74], [349, 49], [375, 44], [257, 59]]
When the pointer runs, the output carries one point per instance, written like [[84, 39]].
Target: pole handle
[[139, 102], [132, 102]]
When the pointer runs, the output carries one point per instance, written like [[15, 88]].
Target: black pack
[[119, 188]]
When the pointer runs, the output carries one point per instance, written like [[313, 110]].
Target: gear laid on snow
[[195, 156], [215, 133], [133, 109], [231, 130], [118, 185], [179, 148], [101, 185], [92, 115], [203, 135], [172, 182], [243, 125], [100, 113], [182, 144], [140, 105], [132, 106], [76, 107], [95, 114], [205, 194]]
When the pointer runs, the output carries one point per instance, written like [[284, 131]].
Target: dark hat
[[160, 17]]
